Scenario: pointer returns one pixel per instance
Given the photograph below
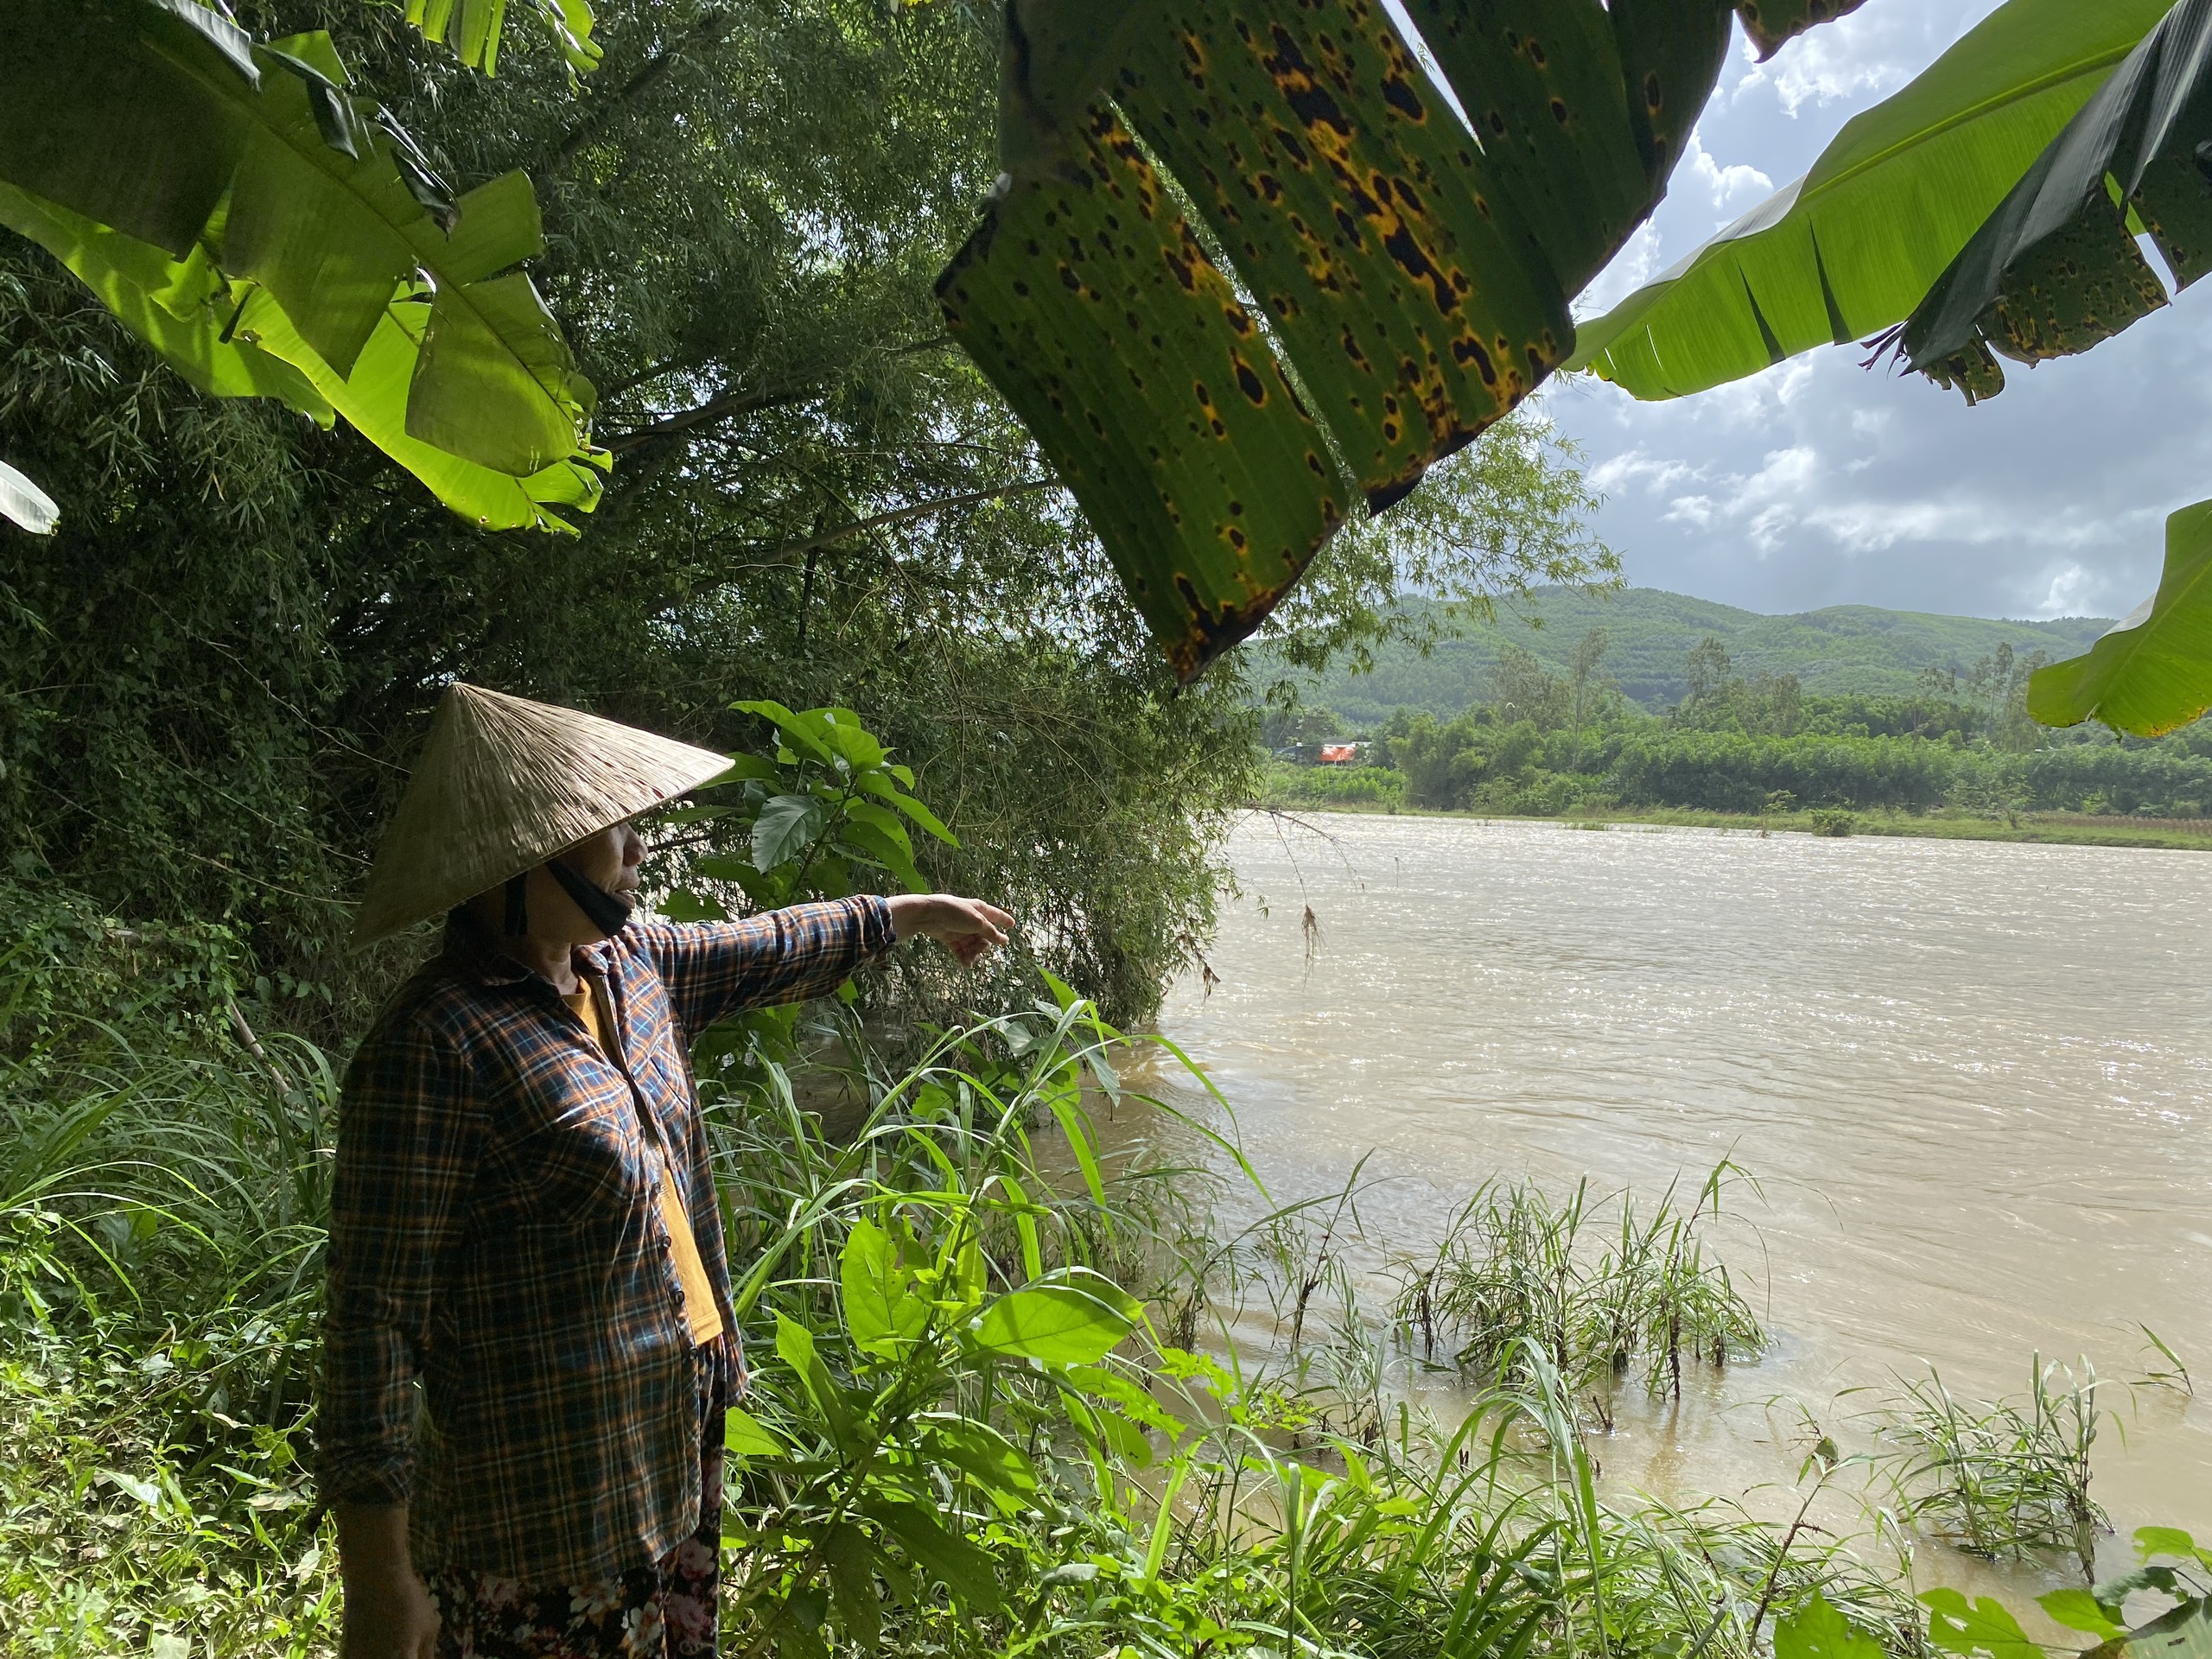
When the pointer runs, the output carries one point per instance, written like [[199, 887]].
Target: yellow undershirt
[[699, 1309]]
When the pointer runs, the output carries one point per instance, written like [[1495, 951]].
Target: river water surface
[[1973, 1080]]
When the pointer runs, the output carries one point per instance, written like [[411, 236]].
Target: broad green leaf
[[880, 1312], [745, 1434], [316, 205], [841, 731], [852, 1584], [787, 826], [1134, 1400], [742, 766], [795, 1347], [2153, 673], [964, 1568], [865, 841], [181, 308], [684, 905], [24, 503], [130, 115], [1074, 1319], [2076, 1609], [2056, 268], [1818, 1631], [874, 784], [1001, 1467], [794, 729], [1412, 306], [1087, 301], [1856, 243], [374, 399], [884, 822], [2154, 1542], [1981, 1627]]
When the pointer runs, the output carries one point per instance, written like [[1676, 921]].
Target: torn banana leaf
[[2056, 269], [177, 167], [1771, 22], [1414, 277], [1086, 299], [2153, 673], [1856, 243]]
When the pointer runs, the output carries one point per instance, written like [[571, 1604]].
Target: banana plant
[[2152, 673], [1251, 269], [270, 232], [1856, 243]]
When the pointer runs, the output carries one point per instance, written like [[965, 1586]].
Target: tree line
[[1555, 743]]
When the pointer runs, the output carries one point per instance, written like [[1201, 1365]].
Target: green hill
[[1844, 648]]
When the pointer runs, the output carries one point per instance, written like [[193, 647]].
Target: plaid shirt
[[495, 1232]]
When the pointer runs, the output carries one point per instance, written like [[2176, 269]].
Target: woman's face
[[612, 858]]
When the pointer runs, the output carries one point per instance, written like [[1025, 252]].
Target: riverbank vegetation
[[1959, 758], [1013, 1393]]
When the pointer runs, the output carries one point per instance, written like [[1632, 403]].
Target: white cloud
[[1733, 187]]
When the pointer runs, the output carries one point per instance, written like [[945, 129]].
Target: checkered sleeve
[[712, 968], [408, 1138]]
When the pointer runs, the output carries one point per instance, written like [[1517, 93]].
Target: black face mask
[[609, 912]]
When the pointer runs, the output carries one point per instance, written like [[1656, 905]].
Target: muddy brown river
[[1972, 1080]]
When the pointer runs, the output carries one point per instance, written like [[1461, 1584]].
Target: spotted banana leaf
[[2056, 269], [1250, 270]]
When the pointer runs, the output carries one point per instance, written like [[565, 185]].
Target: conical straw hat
[[503, 783]]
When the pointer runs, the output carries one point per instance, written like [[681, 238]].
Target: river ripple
[[1973, 1080]]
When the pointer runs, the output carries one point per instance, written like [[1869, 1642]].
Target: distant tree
[[1523, 690], [1283, 729], [1709, 670]]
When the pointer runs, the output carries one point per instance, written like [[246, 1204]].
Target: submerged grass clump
[[1598, 1285], [2000, 1480]]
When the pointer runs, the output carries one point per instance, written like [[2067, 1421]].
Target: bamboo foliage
[[1250, 267]]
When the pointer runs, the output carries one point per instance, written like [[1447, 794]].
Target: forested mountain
[[1651, 634]]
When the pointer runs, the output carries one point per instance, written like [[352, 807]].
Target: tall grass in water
[[1597, 1285], [2000, 1480]]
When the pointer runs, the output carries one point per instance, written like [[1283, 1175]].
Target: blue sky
[[1821, 483]]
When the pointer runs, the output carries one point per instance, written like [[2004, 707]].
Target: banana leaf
[[2153, 673], [1852, 247], [183, 173], [1245, 262], [24, 503], [1772, 22], [2056, 268], [1088, 302]]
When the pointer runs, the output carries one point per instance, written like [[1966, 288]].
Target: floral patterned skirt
[[666, 1611]]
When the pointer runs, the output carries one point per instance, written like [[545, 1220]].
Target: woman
[[529, 1338]]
